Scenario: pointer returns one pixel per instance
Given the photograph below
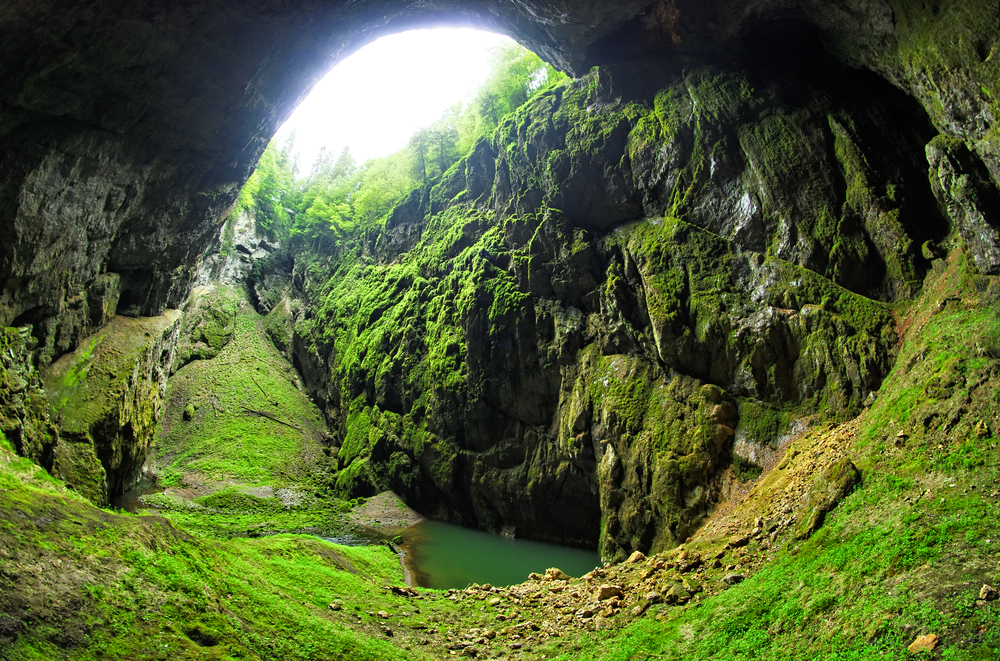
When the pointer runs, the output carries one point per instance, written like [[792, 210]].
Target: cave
[[123, 152], [740, 268]]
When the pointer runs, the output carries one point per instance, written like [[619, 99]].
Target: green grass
[[84, 583], [225, 441], [902, 556], [874, 578]]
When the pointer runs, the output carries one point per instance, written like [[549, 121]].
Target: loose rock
[[924, 643], [733, 579], [608, 591]]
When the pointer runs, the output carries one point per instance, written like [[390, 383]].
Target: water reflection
[[441, 555]]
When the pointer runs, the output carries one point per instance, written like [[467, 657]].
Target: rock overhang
[[153, 114]]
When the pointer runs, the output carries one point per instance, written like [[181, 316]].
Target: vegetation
[[238, 439], [338, 194], [424, 303], [905, 554], [142, 588]]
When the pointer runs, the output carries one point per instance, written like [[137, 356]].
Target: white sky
[[374, 100]]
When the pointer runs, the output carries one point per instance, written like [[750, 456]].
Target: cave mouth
[[372, 102]]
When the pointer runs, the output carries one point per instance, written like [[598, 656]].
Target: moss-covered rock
[[106, 399], [552, 338], [831, 486], [238, 417], [24, 417], [208, 324]]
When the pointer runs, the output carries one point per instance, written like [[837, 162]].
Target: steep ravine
[[566, 335], [728, 300]]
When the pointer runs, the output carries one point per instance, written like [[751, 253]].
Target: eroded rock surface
[[106, 399], [561, 336], [506, 354]]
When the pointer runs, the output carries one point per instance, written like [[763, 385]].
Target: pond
[[441, 555]]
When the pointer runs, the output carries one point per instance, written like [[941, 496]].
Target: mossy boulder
[[208, 323], [106, 399], [829, 488]]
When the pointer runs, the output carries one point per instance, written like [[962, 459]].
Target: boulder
[[829, 488]]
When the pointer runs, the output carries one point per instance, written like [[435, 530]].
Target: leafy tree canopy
[[337, 194]]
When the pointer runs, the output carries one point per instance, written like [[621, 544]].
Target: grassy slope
[[904, 555], [908, 551], [232, 471], [81, 582], [224, 443]]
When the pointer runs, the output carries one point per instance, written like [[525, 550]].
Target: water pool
[[441, 555]]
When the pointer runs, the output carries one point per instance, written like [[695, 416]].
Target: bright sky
[[374, 100]]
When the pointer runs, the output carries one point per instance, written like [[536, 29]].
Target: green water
[[440, 555]]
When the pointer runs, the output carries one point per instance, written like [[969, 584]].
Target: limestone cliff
[[563, 335], [106, 399]]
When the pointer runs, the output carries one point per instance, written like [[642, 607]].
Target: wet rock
[[692, 585], [687, 561], [674, 593], [403, 591], [963, 185]]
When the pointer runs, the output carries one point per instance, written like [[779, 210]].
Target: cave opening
[[373, 101]]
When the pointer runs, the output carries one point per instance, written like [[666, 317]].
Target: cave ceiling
[[128, 126]]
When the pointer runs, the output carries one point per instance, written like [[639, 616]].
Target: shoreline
[[388, 515]]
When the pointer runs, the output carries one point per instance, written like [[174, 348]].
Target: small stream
[[441, 555]]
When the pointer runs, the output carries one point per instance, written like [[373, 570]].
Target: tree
[[443, 135], [419, 144], [266, 194], [338, 195]]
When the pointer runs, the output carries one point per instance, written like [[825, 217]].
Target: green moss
[[357, 479], [954, 36], [237, 500], [761, 422], [144, 588], [209, 323], [745, 470], [941, 382], [224, 437], [860, 587]]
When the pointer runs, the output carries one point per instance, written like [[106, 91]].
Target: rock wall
[[463, 349], [563, 336], [128, 127], [106, 399]]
